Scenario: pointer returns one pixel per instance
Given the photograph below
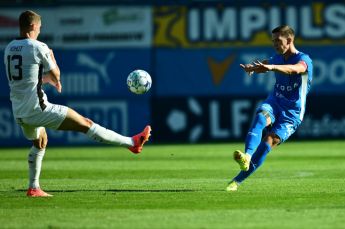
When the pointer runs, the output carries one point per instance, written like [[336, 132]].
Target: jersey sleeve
[[306, 59], [43, 54]]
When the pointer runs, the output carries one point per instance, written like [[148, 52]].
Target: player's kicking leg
[[243, 159], [140, 139], [76, 122], [253, 139], [134, 144], [256, 161]]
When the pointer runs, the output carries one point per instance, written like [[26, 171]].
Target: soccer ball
[[139, 81]]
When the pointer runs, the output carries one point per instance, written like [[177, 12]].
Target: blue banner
[[226, 118], [208, 72]]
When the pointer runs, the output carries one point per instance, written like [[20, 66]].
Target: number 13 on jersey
[[16, 62]]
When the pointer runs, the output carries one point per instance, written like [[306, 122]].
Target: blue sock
[[254, 135], [258, 158]]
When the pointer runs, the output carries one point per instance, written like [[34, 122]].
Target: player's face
[[280, 43]]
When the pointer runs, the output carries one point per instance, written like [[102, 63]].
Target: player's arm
[[287, 69], [290, 69], [52, 76]]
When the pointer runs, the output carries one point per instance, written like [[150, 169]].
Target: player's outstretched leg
[[253, 139], [140, 139], [76, 122], [254, 135], [257, 160]]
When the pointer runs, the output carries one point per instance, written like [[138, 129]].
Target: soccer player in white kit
[[29, 64]]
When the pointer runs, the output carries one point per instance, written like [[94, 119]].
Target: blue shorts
[[285, 121]]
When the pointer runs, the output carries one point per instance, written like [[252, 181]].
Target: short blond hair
[[27, 18]]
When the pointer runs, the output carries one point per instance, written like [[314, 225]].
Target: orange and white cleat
[[140, 139], [37, 192]]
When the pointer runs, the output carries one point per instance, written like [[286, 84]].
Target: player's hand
[[260, 67], [248, 68], [45, 79], [57, 85], [257, 67]]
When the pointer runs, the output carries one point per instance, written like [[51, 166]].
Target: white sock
[[35, 158], [103, 135]]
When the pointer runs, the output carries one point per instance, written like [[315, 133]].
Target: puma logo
[[101, 68]]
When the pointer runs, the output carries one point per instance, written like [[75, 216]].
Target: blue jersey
[[290, 91]]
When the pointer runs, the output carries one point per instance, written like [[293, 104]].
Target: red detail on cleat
[[37, 192], [140, 139]]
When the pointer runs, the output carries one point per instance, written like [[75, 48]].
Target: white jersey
[[26, 60]]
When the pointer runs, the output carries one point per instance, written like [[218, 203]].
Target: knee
[[89, 122], [266, 116], [272, 139], [262, 119], [86, 125]]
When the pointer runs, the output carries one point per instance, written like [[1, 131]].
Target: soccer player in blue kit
[[283, 109]]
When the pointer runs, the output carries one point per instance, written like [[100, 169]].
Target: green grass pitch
[[301, 185]]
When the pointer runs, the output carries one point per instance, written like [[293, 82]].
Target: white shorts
[[52, 117]]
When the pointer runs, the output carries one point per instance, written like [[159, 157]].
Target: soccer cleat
[[37, 192], [242, 159], [232, 186], [140, 139]]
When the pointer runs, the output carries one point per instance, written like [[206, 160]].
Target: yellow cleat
[[242, 159], [232, 187]]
